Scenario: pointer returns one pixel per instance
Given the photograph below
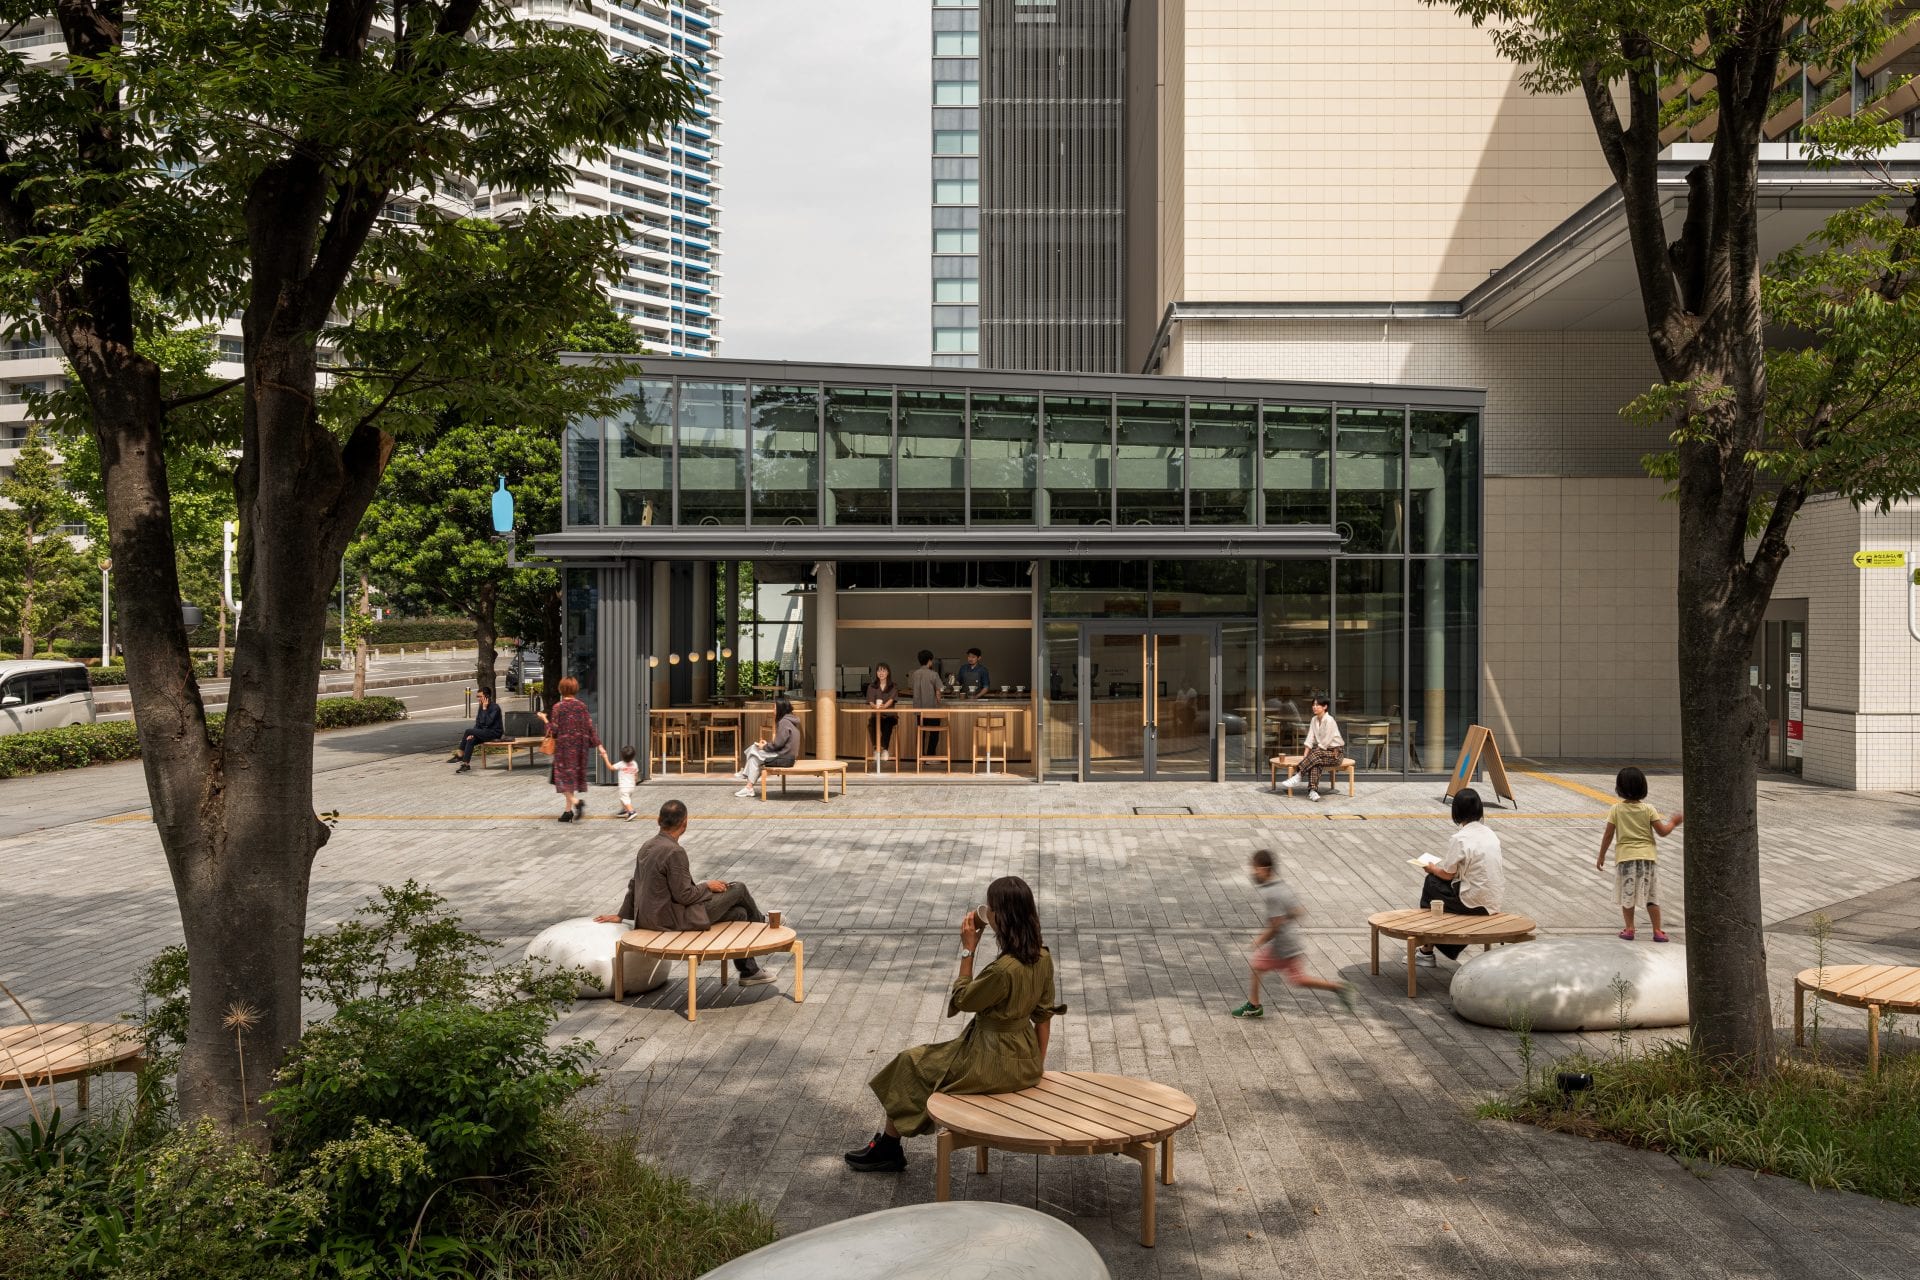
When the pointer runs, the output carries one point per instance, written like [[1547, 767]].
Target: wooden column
[[826, 662]]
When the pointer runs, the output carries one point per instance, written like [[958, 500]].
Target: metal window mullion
[[673, 453], [966, 457], [747, 435], [820, 454], [893, 459], [1113, 478], [1186, 463], [1333, 465]]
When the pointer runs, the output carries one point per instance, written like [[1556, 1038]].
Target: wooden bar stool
[[721, 725], [670, 740], [986, 729], [940, 725]]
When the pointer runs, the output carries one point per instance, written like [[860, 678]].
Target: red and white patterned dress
[[573, 736]]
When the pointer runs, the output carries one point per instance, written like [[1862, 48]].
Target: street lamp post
[[106, 650]]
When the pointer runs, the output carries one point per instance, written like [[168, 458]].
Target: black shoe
[[465, 768], [579, 808], [453, 757], [882, 1155], [567, 816]]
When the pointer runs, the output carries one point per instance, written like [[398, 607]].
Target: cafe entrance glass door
[[1147, 699]]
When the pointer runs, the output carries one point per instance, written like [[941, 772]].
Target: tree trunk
[[360, 646], [27, 584], [485, 655]]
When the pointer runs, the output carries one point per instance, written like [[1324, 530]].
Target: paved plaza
[[1327, 1144]]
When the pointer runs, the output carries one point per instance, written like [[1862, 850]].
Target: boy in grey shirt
[[1279, 949]]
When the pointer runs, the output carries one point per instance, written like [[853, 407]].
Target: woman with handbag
[[570, 732]]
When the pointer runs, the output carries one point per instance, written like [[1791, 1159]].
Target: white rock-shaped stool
[[1566, 984], [957, 1240], [587, 944]]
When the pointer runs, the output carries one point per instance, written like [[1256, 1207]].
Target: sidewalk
[[1327, 1145]]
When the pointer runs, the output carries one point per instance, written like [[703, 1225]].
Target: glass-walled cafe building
[[1160, 573]]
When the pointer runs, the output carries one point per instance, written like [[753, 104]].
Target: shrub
[[393, 631], [109, 677], [79, 745]]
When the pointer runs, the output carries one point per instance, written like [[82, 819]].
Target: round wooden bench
[[48, 1052], [1069, 1113], [825, 770], [1434, 928], [732, 940], [1873, 987]]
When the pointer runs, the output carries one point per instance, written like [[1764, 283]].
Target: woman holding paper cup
[[1469, 879]]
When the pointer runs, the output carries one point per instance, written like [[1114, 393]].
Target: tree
[[428, 536], [47, 580], [1739, 475], [247, 160]]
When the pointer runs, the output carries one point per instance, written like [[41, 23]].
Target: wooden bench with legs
[[731, 940], [525, 732], [42, 1054], [1877, 988], [1429, 928], [1288, 762], [1069, 1113], [825, 770]]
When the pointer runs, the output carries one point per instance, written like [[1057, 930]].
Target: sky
[[824, 215]]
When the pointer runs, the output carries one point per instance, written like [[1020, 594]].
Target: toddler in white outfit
[[627, 773]]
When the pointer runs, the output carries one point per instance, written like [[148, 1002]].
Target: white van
[[43, 695]]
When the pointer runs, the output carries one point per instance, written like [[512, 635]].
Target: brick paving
[[1326, 1144]]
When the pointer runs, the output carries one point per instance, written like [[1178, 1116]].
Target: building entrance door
[[1148, 694], [1778, 675]]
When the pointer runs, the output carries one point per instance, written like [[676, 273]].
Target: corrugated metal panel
[[622, 673], [1051, 190]]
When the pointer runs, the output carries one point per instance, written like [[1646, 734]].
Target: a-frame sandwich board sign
[[1479, 751]]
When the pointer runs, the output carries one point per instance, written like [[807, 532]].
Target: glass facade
[[1387, 625]]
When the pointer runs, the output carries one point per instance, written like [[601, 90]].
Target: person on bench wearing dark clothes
[[664, 895], [488, 726]]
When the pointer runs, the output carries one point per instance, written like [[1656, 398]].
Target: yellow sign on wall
[[1879, 559]]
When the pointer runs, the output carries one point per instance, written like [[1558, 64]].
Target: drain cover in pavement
[[1171, 811]]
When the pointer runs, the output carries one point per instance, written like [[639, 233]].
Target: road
[[454, 667]]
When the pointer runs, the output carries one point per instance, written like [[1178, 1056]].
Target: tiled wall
[[1364, 150], [1863, 664]]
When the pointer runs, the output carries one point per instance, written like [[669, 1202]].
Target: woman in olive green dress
[[1003, 1049]]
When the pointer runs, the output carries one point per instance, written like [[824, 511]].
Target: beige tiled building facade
[[1364, 192]]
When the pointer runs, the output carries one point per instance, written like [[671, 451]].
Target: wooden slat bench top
[[46, 1053], [809, 767], [729, 940], [1067, 1113], [1436, 927], [1430, 926], [1891, 986], [724, 941], [825, 770]]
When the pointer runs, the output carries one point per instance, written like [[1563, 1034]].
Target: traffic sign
[[1879, 559]]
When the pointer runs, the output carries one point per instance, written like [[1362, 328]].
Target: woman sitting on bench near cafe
[[1004, 1048], [781, 751]]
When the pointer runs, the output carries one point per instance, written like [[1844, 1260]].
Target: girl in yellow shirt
[[1631, 826]]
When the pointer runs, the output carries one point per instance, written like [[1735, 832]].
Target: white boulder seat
[[964, 1240], [586, 944], [1567, 984]]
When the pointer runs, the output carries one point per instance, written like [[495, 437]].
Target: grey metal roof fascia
[[1093, 542], [1180, 312], [1144, 386]]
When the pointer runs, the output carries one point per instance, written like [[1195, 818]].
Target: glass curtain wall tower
[[956, 183]]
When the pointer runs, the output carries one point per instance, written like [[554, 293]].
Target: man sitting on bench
[[664, 895], [488, 726]]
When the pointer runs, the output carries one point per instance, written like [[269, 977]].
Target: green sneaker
[[1346, 996], [1249, 1010]]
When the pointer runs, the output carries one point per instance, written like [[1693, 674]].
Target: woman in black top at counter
[[883, 692]]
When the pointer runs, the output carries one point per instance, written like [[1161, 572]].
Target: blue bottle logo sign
[[502, 508]]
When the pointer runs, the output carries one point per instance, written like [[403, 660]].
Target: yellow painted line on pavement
[[786, 816], [1571, 785]]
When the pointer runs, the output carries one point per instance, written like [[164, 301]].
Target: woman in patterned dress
[[571, 728]]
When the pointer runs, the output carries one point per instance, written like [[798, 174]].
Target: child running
[[1631, 826], [627, 773], [1278, 949]]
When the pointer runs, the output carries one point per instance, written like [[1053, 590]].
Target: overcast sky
[[824, 218]]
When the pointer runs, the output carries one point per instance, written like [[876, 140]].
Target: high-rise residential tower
[[1027, 184]]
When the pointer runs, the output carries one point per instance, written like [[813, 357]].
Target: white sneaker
[[744, 793], [881, 757], [740, 776], [1293, 780], [1429, 959], [757, 979], [1312, 794]]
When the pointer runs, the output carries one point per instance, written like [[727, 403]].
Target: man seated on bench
[[664, 895], [487, 727]]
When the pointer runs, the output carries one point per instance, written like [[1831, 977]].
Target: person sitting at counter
[[973, 676], [926, 682], [883, 692]]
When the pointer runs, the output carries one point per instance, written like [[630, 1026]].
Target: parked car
[[525, 669], [43, 695]]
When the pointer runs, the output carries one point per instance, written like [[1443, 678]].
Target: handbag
[[546, 745]]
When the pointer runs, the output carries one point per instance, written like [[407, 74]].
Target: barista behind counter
[[972, 676]]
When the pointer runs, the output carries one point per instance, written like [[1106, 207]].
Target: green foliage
[[116, 675], [412, 631], [79, 745], [47, 588], [1805, 1120]]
